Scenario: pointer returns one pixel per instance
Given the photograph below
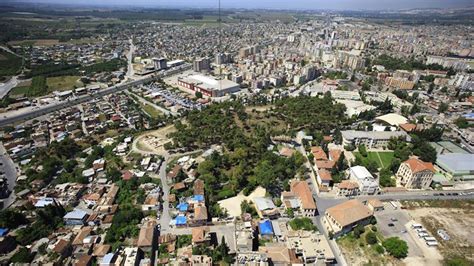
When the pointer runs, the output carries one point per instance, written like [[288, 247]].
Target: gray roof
[[76, 214], [264, 204], [353, 134], [456, 162]]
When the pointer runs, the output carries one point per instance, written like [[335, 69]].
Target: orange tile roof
[[85, 231], [318, 153], [334, 154], [325, 164], [349, 212], [408, 127], [347, 184], [417, 165], [199, 234], [325, 175], [301, 189], [200, 213], [147, 232]]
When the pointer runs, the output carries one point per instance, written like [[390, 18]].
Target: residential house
[[305, 197]]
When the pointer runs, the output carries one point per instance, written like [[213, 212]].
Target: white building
[[367, 183]]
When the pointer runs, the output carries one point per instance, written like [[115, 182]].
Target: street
[[8, 168]]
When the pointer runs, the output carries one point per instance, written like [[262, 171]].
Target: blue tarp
[[181, 220], [183, 207], [265, 227], [3, 231], [198, 198]]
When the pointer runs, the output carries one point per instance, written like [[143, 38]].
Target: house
[[127, 175], [146, 237], [318, 153], [63, 248], [198, 187], [98, 165], [375, 205], [200, 235], [347, 188], [305, 197], [266, 208], [342, 218], [200, 215], [367, 183], [75, 217], [324, 178], [265, 228], [415, 174]]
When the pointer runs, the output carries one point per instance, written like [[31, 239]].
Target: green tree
[[396, 247], [358, 230], [371, 238], [443, 107]]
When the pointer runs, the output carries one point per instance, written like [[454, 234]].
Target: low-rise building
[[371, 139], [367, 183], [342, 218]]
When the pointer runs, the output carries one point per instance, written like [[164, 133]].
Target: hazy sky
[[279, 4]]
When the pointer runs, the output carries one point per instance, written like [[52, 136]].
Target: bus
[[394, 205], [432, 243], [416, 226]]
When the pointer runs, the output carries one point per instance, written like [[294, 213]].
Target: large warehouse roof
[[210, 83], [457, 163], [392, 119]]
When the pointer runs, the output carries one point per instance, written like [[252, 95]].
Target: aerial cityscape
[[136, 133]]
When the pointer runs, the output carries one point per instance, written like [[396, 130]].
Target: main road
[[31, 113], [9, 170]]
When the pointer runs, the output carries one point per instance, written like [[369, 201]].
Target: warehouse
[[208, 86], [457, 165]]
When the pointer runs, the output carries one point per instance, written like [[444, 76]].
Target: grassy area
[[63, 83], [151, 111], [9, 64], [358, 252], [383, 159], [20, 90]]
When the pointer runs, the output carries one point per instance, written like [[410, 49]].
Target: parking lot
[[393, 222]]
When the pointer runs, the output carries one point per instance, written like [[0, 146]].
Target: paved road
[[9, 169], [146, 102], [165, 214], [31, 113], [130, 71], [7, 86]]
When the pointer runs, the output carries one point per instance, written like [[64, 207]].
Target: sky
[[280, 4]]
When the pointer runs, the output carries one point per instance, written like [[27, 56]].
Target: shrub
[[396, 247], [379, 249], [359, 230], [371, 238]]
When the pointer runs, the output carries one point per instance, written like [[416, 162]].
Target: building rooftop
[[264, 203], [392, 119], [301, 189], [353, 134], [417, 165], [349, 212], [457, 162]]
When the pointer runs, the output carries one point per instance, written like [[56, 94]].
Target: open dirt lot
[[456, 220], [152, 142], [232, 205]]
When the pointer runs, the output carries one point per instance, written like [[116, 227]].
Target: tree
[[461, 122], [198, 94], [22, 256], [358, 230], [385, 179], [363, 150], [371, 238], [396, 247], [443, 107], [11, 219]]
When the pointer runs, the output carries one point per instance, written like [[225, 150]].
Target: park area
[[382, 158]]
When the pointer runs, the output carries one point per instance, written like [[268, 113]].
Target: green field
[[383, 159], [63, 83], [9, 64], [21, 90], [150, 110]]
